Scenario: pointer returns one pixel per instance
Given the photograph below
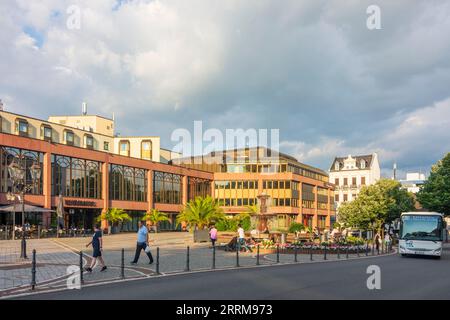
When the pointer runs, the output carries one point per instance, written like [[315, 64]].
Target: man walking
[[142, 243], [97, 245]]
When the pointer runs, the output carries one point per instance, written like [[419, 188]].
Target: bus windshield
[[417, 227]]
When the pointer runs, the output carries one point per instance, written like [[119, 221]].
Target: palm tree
[[249, 212], [201, 212], [154, 216], [114, 216]]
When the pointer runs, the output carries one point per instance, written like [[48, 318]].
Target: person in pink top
[[213, 235]]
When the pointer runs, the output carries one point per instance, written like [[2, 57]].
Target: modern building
[[349, 174], [92, 170], [413, 181], [296, 192]]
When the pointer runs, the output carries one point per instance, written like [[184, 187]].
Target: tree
[[296, 228], [376, 205], [435, 193], [114, 216], [201, 212], [154, 216]]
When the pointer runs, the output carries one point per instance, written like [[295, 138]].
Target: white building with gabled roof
[[351, 173]]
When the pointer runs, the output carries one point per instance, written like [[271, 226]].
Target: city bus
[[422, 233]]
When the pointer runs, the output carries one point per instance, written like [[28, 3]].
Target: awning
[[17, 207]]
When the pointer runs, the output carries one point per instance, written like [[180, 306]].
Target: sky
[[311, 69]]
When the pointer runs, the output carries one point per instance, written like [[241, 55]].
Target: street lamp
[[17, 174]]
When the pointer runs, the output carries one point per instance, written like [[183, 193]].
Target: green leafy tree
[[375, 205], [114, 216], [435, 193], [201, 212], [154, 216]]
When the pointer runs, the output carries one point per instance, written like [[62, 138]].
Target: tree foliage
[[201, 212], [375, 205], [155, 217], [114, 216], [435, 193]]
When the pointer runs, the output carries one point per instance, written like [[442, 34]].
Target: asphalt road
[[401, 278]]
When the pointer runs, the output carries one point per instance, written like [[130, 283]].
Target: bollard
[[257, 255], [187, 260], [367, 248], [338, 251], [122, 264], [238, 247], [33, 270], [325, 253], [346, 252], [357, 250], [214, 257], [81, 267], [373, 249], [278, 253], [295, 253], [157, 260], [310, 253]]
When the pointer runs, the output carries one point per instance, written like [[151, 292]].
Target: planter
[[201, 235]]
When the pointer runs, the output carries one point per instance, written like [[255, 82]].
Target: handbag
[[147, 249]]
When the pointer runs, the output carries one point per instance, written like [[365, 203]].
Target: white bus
[[422, 233]]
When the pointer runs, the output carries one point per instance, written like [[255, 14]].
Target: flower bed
[[265, 248]]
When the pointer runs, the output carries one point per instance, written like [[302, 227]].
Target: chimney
[[84, 108]]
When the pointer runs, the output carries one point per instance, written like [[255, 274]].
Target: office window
[[146, 150], [89, 141], [167, 188], [22, 127], [124, 148], [69, 137]]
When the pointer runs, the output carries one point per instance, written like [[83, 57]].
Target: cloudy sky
[[309, 68]]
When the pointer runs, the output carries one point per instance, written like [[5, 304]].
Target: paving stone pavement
[[54, 256]]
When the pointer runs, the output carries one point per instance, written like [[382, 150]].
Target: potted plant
[[114, 216], [154, 216], [199, 213]]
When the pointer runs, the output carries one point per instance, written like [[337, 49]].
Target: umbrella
[[17, 207]]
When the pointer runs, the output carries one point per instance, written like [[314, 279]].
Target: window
[[345, 182], [124, 148], [106, 146], [354, 181], [363, 181], [46, 132], [336, 181], [336, 197], [345, 197], [74, 177], [167, 188], [69, 137], [89, 141], [127, 183], [146, 150], [363, 164], [22, 127], [198, 187], [336, 166]]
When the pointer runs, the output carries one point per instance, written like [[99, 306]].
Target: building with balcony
[[296, 192], [349, 174], [92, 172]]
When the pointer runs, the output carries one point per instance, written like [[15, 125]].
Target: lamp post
[[17, 173]]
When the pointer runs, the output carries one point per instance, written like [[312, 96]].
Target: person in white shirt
[[241, 239]]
